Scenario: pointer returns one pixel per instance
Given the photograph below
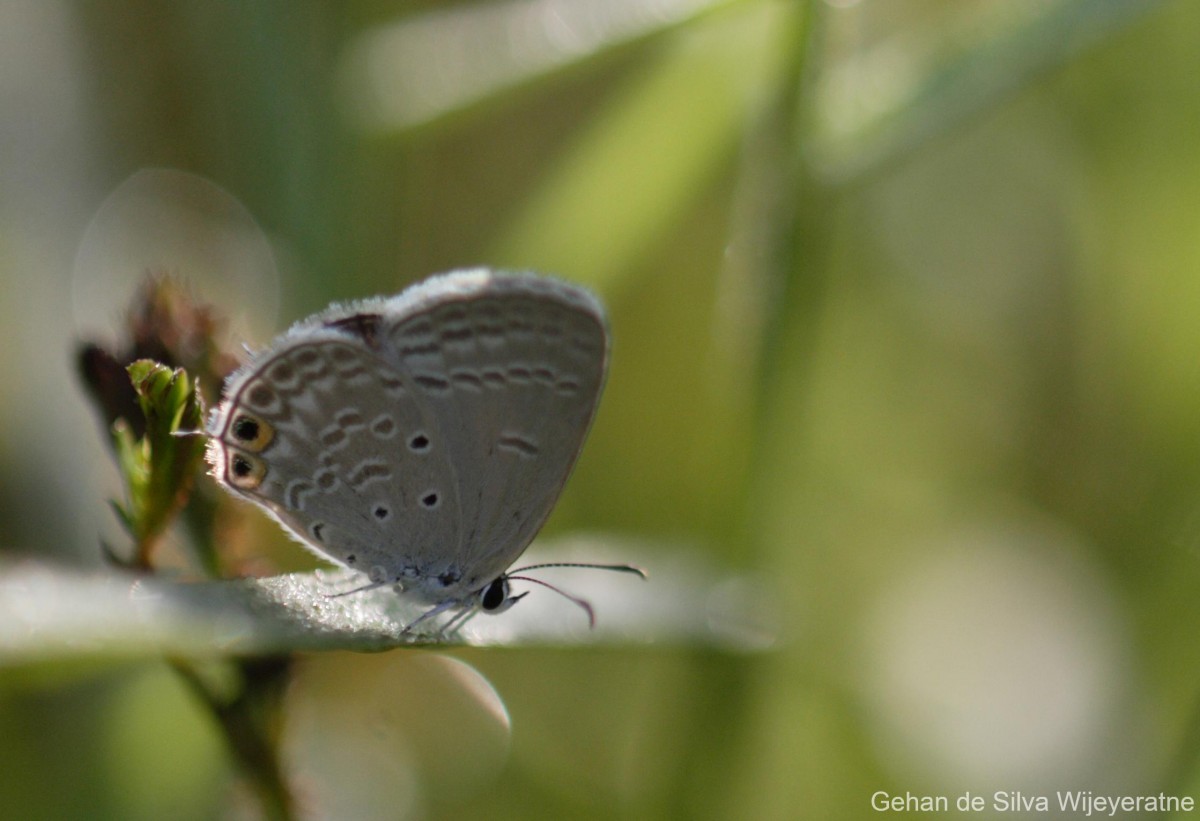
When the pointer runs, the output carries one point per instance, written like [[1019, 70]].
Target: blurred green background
[[904, 297]]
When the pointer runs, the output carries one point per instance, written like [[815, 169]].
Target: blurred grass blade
[[654, 150], [888, 99], [430, 65]]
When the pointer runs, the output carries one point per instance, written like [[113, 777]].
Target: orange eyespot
[[250, 432], [245, 471]]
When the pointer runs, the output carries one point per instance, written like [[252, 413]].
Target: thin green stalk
[[249, 721]]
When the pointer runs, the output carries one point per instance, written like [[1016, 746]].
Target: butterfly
[[422, 438]]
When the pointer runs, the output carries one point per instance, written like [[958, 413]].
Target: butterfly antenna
[[584, 603], [619, 568]]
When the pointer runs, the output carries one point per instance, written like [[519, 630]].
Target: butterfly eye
[[245, 471], [496, 597], [251, 432]]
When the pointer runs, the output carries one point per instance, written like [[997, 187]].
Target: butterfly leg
[[459, 620], [440, 607], [364, 588]]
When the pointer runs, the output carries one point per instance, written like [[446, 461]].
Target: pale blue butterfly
[[422, 438]]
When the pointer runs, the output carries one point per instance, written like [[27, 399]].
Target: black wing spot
[[245, 429], [364, 326]]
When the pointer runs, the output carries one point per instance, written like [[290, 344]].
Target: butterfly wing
[[424, 438], [325, 435], [512, 366]]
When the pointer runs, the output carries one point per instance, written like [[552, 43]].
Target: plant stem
[[249, 720]]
